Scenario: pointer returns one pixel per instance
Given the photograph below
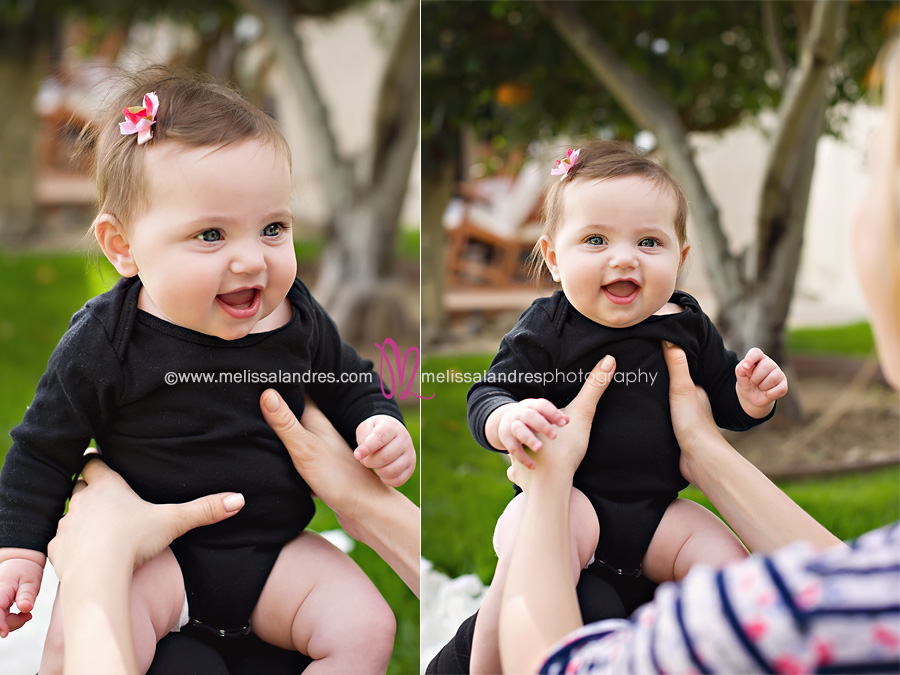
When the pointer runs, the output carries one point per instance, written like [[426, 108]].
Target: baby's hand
[[20, 581], [386, 447], [521, 422], [760, 382]]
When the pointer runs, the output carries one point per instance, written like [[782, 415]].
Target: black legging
[[602, 594]]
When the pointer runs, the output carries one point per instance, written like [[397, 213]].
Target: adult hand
[[692, 417], [564, 451], [369, 511], [106, 516]]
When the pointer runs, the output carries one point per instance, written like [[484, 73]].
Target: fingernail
[[607, 363], [272, 402], [667, 344], [233, 502]]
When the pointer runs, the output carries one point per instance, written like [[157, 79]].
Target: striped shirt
[[796, 611]]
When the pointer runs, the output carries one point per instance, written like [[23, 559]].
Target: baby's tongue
[[238, 298], [622, 289]]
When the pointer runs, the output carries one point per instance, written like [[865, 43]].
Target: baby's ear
[[111, 237], [548, 252]]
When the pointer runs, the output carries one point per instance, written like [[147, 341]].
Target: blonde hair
[[192, 110], [601, 160]]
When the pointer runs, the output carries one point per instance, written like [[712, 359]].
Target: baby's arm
[[760, 382], [21, 571], [386, 447], [514, 425]]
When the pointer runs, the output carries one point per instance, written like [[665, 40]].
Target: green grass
[[850, 340], [466, 489], [39, 294]]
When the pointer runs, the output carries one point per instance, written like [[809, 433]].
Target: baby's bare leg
[[319, 602], [585, 531], [689, 534], [157, 597]]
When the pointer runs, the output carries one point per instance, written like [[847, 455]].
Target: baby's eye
[[210, 235], [595, 240], [648, 242], [273, 229]]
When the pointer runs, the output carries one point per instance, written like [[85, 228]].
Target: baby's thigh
[[583, 526], [157, 594], [317, 600], [689, 534]]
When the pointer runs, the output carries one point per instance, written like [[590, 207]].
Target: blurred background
[[763, 111], [341, 77]]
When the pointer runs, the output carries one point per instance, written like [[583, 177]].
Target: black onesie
[[107, 380], [630, 471]]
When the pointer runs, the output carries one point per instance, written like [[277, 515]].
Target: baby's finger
[[524, 435], [549, 411], [754, 356], [744, 370], [775, 384], [762, 370], [16, 621], [396, 473], [25, 596], [381, 457], [522, 457], [537, 423]]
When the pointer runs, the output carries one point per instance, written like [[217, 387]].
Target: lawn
[[39, 294], [466, 487]]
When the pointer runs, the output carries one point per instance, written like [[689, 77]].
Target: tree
[[674, 67], [365, 193]]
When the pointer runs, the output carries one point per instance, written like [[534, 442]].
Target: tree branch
[[773, 40], [650, 110], [801, 100]]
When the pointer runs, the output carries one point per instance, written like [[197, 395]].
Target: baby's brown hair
[[600, 160], [194, 111]]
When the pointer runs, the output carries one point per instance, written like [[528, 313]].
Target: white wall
[[732, 164]]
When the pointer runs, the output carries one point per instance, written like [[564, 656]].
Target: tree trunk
[[21, 73], [437, 188]]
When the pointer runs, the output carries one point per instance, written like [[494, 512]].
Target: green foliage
[[851, 340], [847, 504], [711, 61]]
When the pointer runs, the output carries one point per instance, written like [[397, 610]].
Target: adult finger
[[206, 510], [284, 423], [680, 382], [585, 403]]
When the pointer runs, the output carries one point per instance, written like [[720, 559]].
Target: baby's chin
[[604, 319]]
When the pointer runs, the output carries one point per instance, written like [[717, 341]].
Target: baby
[[615, 240], [165, 373]]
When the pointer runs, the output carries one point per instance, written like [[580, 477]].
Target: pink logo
[[397, 371]]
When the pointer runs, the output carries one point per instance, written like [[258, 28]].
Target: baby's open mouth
[[239, 299], [621, 289], [243, 304]]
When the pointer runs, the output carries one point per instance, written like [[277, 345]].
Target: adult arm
[[369, 511], [539, 604], [107, 532], [763, 516]]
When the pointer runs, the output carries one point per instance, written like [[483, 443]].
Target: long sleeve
[[798, 611], [343, 384], [526, 355], [48, 446], [716, 376]]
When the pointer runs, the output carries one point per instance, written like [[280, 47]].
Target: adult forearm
[[391, 529], [763, 516], [539, 603], [96, 610]]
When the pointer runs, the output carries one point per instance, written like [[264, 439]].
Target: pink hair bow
[[140, 119], [563, 166]]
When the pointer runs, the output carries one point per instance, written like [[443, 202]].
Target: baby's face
[[615, 250], [214, 248]]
